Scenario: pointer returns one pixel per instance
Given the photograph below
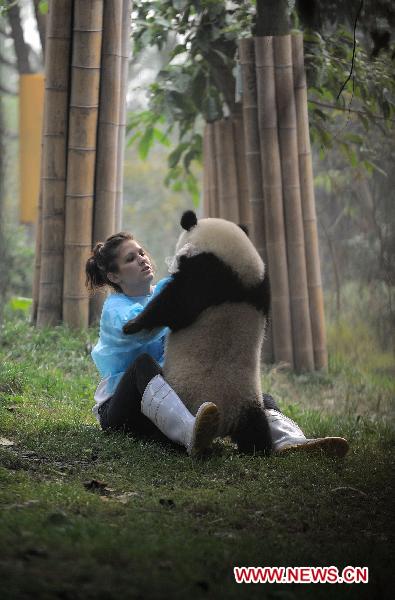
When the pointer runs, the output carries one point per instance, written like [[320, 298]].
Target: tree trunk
[[272, 17], [57, 65], [21, 48], [41, 24], [84, 105]]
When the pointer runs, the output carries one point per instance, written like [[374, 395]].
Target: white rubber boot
[[164, 408], [287, 435]]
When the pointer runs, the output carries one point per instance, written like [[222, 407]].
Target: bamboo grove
[[257, 171], [87, 53], [264, 180]]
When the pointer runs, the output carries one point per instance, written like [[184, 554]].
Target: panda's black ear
[[188, 220], [245, 229]]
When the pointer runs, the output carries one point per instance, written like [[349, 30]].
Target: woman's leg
[[144, 403], [123, 410]]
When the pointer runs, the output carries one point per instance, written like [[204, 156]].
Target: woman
[[132, 395], [132, 385]]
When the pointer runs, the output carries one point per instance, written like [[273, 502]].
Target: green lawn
[[84, 514]]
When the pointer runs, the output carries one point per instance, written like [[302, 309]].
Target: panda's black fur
[[201, 281], [206, 293]]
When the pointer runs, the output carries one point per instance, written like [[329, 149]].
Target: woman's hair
[[104, 260]]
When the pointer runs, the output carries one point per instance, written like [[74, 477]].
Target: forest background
[[354, 148], [89, 515]]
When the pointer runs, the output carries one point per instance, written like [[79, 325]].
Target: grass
[[84, 514]]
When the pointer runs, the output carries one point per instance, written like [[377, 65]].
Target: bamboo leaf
[[161, 137], [146, 143], [43, 7], [175, 156], [371, 166]]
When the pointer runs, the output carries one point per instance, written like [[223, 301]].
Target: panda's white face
[[226, 241]]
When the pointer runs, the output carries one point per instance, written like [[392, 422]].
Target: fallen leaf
[[5, 442], [124, 498]]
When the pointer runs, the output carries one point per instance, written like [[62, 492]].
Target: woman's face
[[135, 271]]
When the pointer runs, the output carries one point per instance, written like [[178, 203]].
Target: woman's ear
[[114, 278]]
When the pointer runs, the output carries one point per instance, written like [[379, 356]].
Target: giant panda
[[216, 306]]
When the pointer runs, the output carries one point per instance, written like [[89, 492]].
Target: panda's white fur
[[228, 242], [217, 359]]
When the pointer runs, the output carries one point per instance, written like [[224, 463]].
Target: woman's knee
[[145, 368]]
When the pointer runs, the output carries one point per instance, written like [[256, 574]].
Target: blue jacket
[[115, 351]]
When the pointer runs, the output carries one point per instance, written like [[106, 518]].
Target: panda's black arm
[[159, 312], [201, 281]]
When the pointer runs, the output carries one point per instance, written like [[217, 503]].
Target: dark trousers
[[122, 412]]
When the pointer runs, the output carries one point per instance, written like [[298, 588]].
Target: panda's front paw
[[131, 327]]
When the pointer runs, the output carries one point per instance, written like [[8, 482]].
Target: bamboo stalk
[[206, 172], [226, 170], [31, 103], [39, 225], [316, 300], [252, 145], [37, 262], [85, 81], [241, 170], [211, 166], [38, 244], [107, 136], [272, 191], [125, 51], [58, 44], [253, 165], [301, 325]]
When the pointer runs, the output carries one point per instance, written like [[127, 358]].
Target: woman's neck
[[142, 289]]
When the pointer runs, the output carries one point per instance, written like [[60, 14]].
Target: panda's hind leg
[[252, 433]]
